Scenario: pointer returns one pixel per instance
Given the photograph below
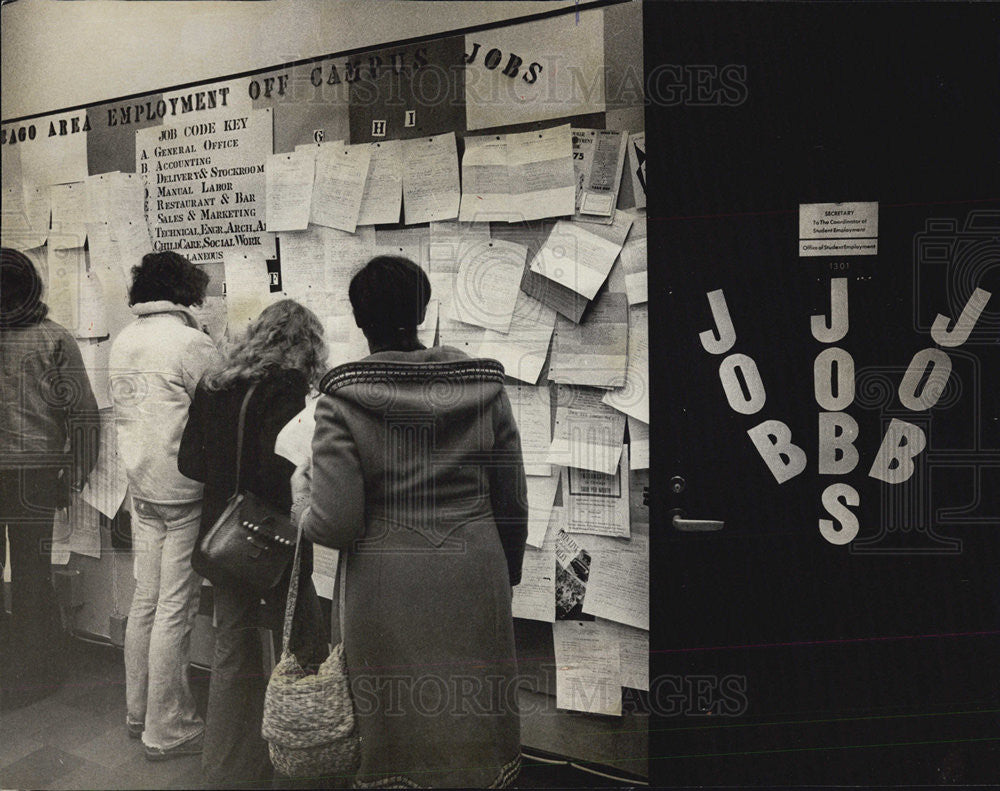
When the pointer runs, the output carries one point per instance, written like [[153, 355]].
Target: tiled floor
[[76, 738]]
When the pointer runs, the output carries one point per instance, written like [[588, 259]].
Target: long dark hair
[[20, 291]]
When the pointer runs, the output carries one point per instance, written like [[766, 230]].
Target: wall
[[57, 54]]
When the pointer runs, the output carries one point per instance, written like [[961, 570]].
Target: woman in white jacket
[[156, 363]]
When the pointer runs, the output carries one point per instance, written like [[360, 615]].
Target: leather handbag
[[251, 543], [309, 718]]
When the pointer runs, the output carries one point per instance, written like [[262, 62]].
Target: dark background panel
[[867, 653], [430, 82], [111, 148]]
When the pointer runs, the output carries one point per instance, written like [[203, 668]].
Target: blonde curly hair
[[285, 336]]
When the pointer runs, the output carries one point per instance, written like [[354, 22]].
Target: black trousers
[[31, 638], [235, 754]]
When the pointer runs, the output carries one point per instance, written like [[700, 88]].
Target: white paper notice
[[324, 570], [618, 588], [533, 416], [288, 180], [105, 488], [633, 398], [486, 181], [598, 193], [597, 504], [638, 444], [588, 434], [838, 229], [25, 221], [344, 339], [523, 349], [427, 329], [294, 441], [248, 288], [383, 194], [431, 185], [595, 351], [95, 359], [588, 674], [341, 174], [313, 149], [346, 253], [576, 257], [542, 180], [447, 242], [79, 533], [633, 258], [535, 596], [303, 262], [488, 282], [133, 243], [66, 267], [451, 331], [541, 496], [93, 318], [633, 647], [69, 215]]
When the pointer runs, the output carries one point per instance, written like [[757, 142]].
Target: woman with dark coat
[[282, 353], [417, 477], [49, 431]]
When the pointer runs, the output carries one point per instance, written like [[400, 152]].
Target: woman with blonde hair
[[282, 354]]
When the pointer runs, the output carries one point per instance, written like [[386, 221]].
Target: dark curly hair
[[20, 291], [167, 276], [389, 295]]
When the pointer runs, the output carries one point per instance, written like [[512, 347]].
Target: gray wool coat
[[418, 477]]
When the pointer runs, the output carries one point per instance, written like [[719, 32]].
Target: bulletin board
[[217, 171]]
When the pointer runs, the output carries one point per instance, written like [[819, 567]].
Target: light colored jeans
[[158, 633]]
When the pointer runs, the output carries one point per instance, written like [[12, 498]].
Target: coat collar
[[166, 306]]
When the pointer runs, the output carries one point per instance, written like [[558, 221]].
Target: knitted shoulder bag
[[309, 718]]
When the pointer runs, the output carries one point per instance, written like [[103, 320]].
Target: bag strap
[[293, 593], [239, 435], [341, 594]]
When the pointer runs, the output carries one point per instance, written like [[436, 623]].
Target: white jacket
[[156, 362]]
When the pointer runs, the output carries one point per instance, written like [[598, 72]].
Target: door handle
[[695, 525]]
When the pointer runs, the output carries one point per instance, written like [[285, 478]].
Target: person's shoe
[[182, 750], [135, 729]]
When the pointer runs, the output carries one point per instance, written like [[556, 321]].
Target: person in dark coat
[[283, 352], [49, 437], [417, 477]]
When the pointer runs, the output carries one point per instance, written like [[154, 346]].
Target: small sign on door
[[838, 229]]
